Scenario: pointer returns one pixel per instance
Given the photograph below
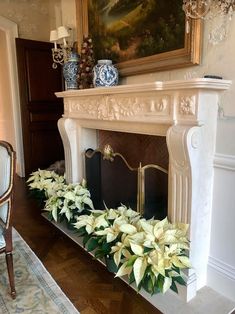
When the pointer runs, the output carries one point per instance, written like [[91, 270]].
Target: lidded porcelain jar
[[70, 71], [105, 74]]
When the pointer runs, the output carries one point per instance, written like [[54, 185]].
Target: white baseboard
[[221, 277], [224, 162]]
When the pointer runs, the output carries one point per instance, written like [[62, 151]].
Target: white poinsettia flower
[[87, 221], [97, 212], [101, 221], [157, 262], [113, 231], [117, 250], [137, 249], [139, 268], [120, 248], [167, 284], [131, 213], [87, 200], [54, 188], [112, 214], [128, 228], [53, 205], [70, 195], [146, 226], [181, 227], [124, 270], [181, 261], [84, 183], [138, 238], [67, 209]]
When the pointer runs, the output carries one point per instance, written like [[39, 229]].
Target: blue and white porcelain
[[105, 74], [70, 71]]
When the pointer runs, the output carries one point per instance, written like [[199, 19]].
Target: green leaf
[[106, 248], [176, 269], [173, 286], [160, 282], [92, 244], [99, 253], [131, 260], [147, 284], [81, 232], [156, 289], [180, 280], [131, 278], [147, 249], [86, 239]]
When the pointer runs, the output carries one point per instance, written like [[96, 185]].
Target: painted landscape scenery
[[129, 29]]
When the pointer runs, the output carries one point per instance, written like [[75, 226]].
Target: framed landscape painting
[[139, 36]]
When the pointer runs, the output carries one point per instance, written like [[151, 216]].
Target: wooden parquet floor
[[88, 284]]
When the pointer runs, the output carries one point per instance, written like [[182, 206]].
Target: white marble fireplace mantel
[[183, 111]]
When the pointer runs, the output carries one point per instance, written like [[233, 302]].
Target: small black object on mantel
[[213, 77]]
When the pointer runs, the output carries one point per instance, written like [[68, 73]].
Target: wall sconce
[[62, 45], [210, 9]]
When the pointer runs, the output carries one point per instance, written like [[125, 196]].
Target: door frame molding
[[11, 30]]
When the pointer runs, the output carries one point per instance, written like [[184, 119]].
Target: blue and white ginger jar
[[70, 71], [105, 74]]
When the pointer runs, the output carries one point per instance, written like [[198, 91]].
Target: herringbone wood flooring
[[87, 283]]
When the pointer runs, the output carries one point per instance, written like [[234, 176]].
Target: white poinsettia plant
[[62, 200], [45, 181], [151, 253]]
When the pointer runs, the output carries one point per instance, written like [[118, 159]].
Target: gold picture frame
[[189, 55]]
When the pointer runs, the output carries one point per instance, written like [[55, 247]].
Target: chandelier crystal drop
[[221, 10]]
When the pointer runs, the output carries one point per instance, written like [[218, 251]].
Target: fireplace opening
[[110, 181], [113, 181]]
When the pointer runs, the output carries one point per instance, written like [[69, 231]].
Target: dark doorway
[[40, 108]]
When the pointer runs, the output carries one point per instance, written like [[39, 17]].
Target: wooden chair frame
[[7, 197]]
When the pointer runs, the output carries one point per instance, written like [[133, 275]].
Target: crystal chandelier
[[62, 46], [219, 11]]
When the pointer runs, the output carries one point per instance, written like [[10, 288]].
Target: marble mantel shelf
[[148, 108], [204, 83], [183, 111]]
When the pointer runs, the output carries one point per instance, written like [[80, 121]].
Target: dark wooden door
[[40, 108]]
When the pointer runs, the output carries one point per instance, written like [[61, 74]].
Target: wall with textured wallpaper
[[6, 121], [34, 18]]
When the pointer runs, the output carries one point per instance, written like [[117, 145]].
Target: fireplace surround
[[185, 112]]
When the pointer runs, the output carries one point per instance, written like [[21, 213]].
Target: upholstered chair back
[[6, 172]]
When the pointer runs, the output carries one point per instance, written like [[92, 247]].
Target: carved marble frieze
[[111, 107]]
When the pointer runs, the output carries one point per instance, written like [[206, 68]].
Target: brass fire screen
[[113, 181]]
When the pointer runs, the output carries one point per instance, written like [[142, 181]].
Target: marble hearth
[[185, 112]]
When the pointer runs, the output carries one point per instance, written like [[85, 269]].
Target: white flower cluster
[[152, 250], [62, 199], [47, 181]]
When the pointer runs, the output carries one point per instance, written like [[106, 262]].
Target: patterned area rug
[[37, 292]]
